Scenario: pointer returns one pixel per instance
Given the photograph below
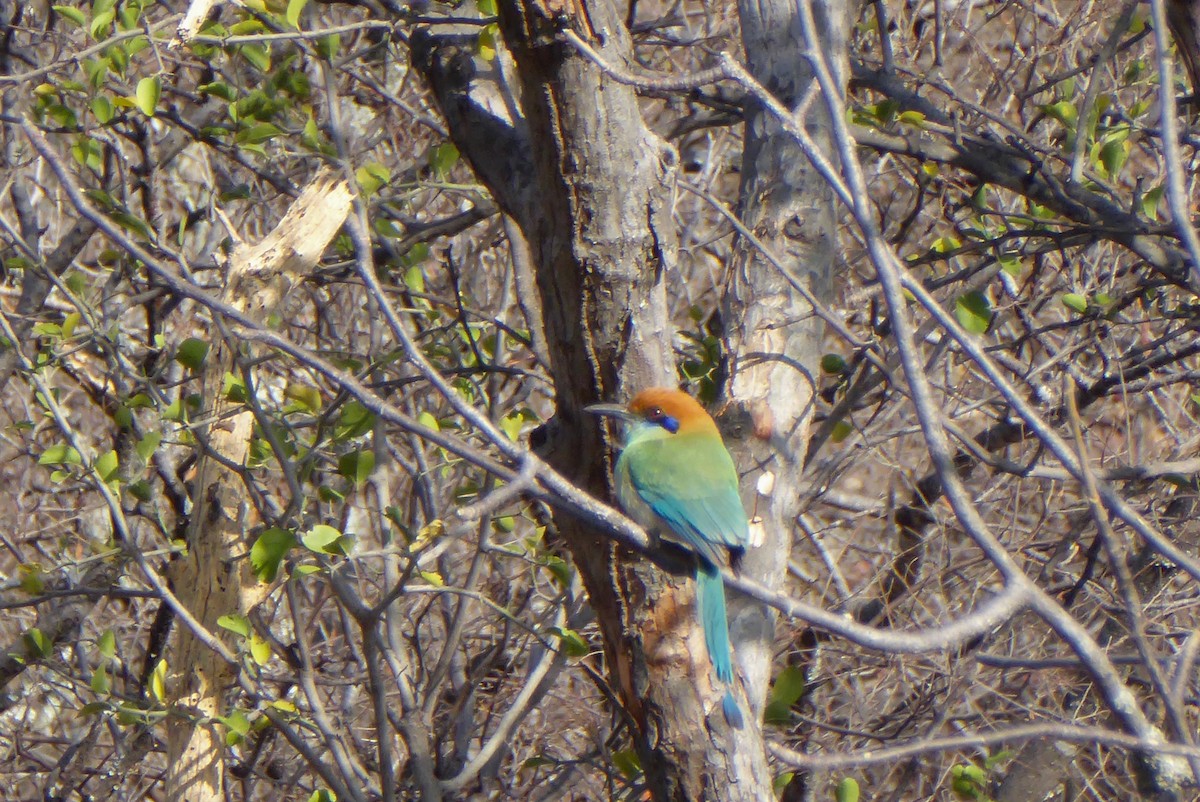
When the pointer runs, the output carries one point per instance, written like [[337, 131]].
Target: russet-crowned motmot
[[675, 477]]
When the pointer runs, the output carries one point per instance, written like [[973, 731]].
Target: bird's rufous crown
[[676, 403]]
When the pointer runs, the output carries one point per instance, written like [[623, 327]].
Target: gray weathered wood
[[773, 337]]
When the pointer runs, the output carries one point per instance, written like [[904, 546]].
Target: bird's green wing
[[690, 482]]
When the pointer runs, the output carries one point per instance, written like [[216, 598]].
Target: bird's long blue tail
[[710, 593]]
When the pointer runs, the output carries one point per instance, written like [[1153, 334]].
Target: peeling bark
[[215, 578]]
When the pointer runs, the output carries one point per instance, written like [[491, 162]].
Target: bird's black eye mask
[[657, 416]]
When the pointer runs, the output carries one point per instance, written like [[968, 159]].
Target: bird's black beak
[[611, 411]]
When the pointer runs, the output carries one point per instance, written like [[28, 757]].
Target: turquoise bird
[[675, 477]]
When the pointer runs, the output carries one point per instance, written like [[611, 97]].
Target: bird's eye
[[657, 416]]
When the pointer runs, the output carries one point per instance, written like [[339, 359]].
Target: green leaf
[[1063, 111], [119, 59], [107, 465], [1113, 156], [148, 445], [414, 277], [841, 430], [330, 494], [32, 578], [246, 27], [833, 364], [260, 132], [1011, 264], [356, 420], [627, 762], [305, 396], [268, 552], [512, 425], [260, 650], [328, 46], [258, 55], [571, 641], [63, 115], [311, 137], [37, 645], [357, 466], [149, 90], [135, 45], [322, 795], [788, 688], [371, 177], [998, 758], [234, 388], [134, 224], [100, 684], [191, 353], [413, 257], [96, 71], [1075, 301], [945, 244], [69, 323], [236, 623], [101, 23], [73, 14], [974, 312], [323, 539], [107, 645], [294, 9], [1150, 202], [560, 569], [428, 533], [489, 41], [445, 156], [128, 16], [486, 7], [847, 790], [77, 282], [238, 727], [219, 89], [89, 153], [60, 454], [969, 782]]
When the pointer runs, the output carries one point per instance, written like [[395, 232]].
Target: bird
[[674, 476]]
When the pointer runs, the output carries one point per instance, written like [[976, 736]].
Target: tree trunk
[[215, 578], [597, 217], [773, 336]]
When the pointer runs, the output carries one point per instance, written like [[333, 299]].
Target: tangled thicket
[[1015, 165]]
